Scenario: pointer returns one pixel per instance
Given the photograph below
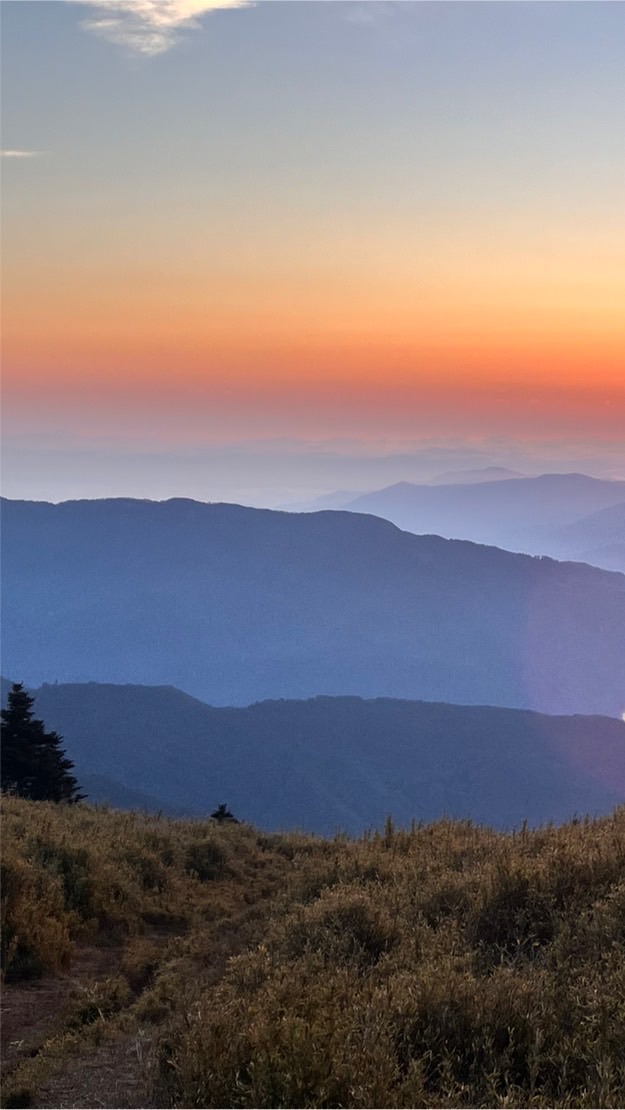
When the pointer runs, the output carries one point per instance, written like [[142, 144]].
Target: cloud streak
[[19, 153], [149, 27]]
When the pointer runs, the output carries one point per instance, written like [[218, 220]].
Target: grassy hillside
[[443, 966]]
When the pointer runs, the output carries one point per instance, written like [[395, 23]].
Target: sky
[[261, 251]]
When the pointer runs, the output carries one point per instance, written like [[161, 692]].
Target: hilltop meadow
[[157, 962]]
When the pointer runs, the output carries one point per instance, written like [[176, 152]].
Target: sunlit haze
[[262, 251]]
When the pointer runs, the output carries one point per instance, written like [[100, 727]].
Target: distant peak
[[478, 474]]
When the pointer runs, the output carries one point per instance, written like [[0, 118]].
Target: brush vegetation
[[442, 966]]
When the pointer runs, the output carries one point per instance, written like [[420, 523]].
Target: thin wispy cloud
[[19, 153], [149, 27], [368, 13]]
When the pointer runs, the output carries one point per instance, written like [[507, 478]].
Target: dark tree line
[[33, 763]]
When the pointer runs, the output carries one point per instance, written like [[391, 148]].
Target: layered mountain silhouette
[[476, 474], [554, 514], [104, 790], [598, 538], [235, 605], [335, 762], [340, 498]]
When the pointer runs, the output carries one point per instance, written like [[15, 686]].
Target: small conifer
[[33, 763], [223, 815]]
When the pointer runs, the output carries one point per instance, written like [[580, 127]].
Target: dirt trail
[[111, 1074], [108, 1063], [31, 1012]]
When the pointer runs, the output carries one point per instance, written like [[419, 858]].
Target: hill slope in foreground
[[235, 605], [330, 763], [190, 964]]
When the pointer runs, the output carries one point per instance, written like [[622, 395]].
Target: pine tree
[[222, 814], [33, 762]]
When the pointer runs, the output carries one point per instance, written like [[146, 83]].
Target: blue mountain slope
[[235, 605], [520, 514], [326, 763]]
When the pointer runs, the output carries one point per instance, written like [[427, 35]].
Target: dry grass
[[443, 966], [447, 966], [75, 873]]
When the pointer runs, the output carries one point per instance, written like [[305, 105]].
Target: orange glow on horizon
[[478, 323]]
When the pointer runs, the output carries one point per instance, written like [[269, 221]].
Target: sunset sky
[[264, 251]]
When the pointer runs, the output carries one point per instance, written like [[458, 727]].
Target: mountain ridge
[[236, 605], [531, 515], [347, 762]]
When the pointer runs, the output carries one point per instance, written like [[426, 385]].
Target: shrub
[[205, 859], [343, 926]]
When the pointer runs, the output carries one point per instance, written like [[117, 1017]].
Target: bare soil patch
[[32, 1012]]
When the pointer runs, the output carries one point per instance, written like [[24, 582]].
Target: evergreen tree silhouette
[[33, 763], [222, 814]]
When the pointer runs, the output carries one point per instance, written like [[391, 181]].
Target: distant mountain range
[[477, 474], [339, 499], [331, 763], [236, 605], [104, 790], [598, 538], [565, 516]]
